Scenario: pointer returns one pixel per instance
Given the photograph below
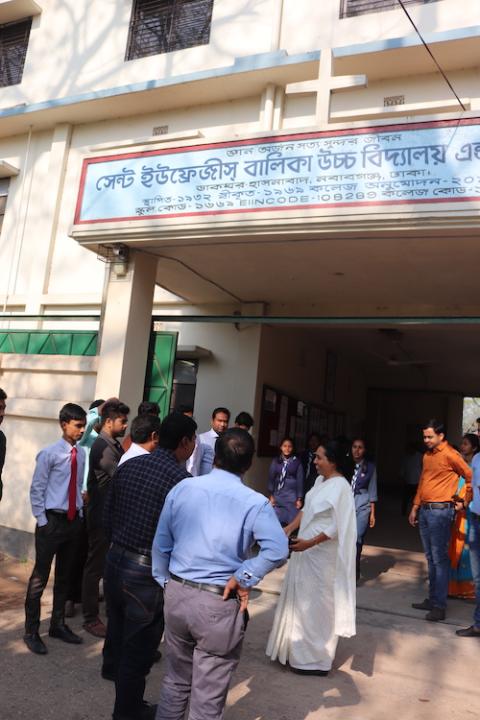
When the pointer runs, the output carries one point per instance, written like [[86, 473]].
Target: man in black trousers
[[56, 498], [104, 457], [134, 600]]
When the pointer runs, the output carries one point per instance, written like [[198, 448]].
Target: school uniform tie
[[72, 487]]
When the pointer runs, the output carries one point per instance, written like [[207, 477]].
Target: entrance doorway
[[379, 378]]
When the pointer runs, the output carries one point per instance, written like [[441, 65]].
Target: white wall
[[228, 378], [79, 47], [37, 387]]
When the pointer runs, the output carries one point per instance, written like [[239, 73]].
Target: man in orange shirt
[[433, 511]]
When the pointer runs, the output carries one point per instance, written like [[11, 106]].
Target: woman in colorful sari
[[317, 602], [285, 483], [461, 582]]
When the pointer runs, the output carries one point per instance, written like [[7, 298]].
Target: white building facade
[[288, 190]]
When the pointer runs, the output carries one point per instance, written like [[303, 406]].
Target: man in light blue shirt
[[56, 499], [201, 556], [474, 545]]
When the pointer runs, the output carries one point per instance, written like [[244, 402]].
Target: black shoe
[[63, 632], [435, 614], [35, 644], [424, 605], [471, 631], [298, 671], [157, 656], [147, 712]]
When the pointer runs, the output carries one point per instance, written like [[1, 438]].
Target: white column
[[126, 331], [48, 223]]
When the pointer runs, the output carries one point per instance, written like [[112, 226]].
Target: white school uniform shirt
[[133, 451]]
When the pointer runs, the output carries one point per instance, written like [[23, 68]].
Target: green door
[[160, 366]]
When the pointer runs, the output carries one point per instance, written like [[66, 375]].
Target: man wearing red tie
[[56, 499]]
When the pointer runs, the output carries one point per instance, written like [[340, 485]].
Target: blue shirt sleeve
[[273, 543], [163, 543], [207, 457], [39, 487], [92, 419], [372, 487]]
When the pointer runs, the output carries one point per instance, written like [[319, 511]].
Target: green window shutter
[[41, 342], [160, 366]]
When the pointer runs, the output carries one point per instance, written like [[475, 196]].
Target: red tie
[[72, 487]]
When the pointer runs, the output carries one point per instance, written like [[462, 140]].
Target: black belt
[[217, 589], [438, 505], [60, 513], [131, 555]]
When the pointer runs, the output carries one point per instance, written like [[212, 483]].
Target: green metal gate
[[160, 367]]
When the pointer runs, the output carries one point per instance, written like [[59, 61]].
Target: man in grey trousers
[[201, 557]]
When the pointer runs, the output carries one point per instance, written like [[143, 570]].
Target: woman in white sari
[[318, 598]]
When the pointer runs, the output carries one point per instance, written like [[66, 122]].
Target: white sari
[[318, 598]]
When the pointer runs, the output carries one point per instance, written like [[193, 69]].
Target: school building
[[271, 205]]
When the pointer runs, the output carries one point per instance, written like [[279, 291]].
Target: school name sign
[[421, 163]]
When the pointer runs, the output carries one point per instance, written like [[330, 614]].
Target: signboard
[[418, 163]]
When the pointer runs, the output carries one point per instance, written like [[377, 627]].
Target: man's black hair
[[95, 403], [234, 451], [71, 411], [142, 428], [113, 410], [3, 394], [437, 426], [149, 408], [224, 410], [244, 418], [174, 428]]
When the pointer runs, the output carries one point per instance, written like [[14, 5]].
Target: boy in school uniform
[[56, 499]]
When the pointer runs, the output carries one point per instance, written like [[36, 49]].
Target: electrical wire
[[425, 44]]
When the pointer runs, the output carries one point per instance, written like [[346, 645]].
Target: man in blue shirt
[[474, 544], [56, 498], [201, 557]]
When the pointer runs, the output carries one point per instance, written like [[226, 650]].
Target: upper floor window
[[161, 26], [359, 7], [13, 49]]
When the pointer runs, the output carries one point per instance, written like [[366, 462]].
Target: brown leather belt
[[438, 505]]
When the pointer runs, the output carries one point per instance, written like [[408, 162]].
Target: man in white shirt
[[220, 420], [202, 461], [145, 432]]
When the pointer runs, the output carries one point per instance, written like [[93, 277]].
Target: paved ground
[[398, 665]]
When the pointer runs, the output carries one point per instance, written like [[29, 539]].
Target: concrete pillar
[[126, 331]]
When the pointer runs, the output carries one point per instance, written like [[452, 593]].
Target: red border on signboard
[[378, 129]]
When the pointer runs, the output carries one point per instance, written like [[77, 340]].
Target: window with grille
[[161, 26], [359, 7], [13, 50]]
